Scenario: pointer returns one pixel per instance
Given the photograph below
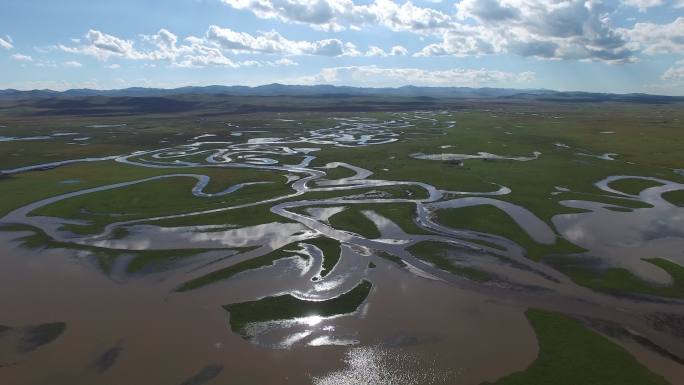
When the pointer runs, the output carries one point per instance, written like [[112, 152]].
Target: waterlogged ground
[[511, 245]]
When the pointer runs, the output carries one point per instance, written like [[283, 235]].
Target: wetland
[[453, 242]]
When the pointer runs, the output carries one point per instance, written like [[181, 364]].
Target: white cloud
[[113, 66], [397, 50], [273, 42], [46, 64], [374, 76], [104, 46], [675, 74], [672, 81], [558, 29], [194, 52], [209, 50], [562, 29], [466, 41], [336, 15], [643, 5], [21, 57], [657, 38], [6, 43], [202, 56], [375, 51], [165, 46], [72, 64], [285, 62]]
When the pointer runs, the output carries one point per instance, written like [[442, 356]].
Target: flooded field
[[455, 246]]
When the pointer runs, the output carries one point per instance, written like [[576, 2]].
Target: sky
[[616, 46]]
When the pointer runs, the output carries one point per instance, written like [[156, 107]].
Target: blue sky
[[590, 45]]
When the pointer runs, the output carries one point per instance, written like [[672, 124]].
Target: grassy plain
[[287, 307], [577, 356], [646, 138]]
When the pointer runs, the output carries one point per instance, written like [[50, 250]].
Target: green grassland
[[353, 220], [163, 197], [286, 307], [243, 217], [331, 254], [436, 253], [636, 136], [577, 356], [675, 197], [225, 273], [619, 281], [141, 261], [646, 138], [633, 186], [489, 219]]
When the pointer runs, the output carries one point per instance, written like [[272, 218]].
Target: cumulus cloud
[[555, 30], [21, 57], [208, 50], [675, 74], [643, 5], [559, 29], [375, 51], [487, 10], [104, 46], [657, 38], [6, 43], [163, 46], [466, 41], [337, 15], [397, 50], [72, 64], [273, 42], [378, 76], [563, 29], [285, 62]]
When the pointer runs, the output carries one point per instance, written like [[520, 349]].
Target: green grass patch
[[287, 307], [225, 273], [570, 354], [389, 192], [338, 173], [158, 259], [352, 220], [154, 198], [436, 253], [143, 260], [633, 186], [675, 197], [392, 258], [243, 217], [21, 189], [331, 255], [491, 220], [34, 337], [331, 252], [628, 203], [620, 281]]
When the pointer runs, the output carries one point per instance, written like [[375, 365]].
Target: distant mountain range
[[341, 91]]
